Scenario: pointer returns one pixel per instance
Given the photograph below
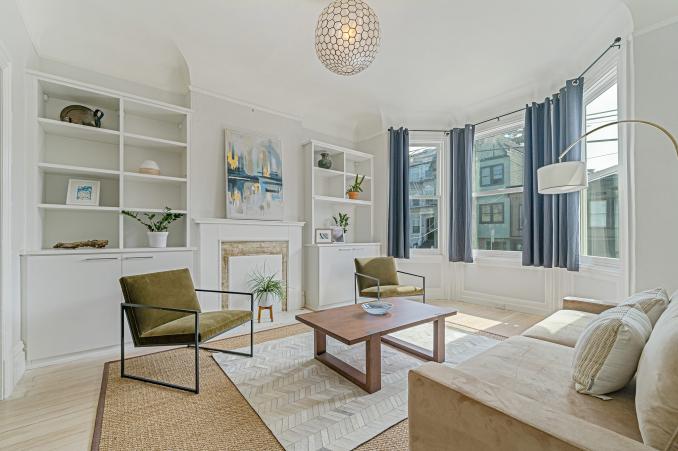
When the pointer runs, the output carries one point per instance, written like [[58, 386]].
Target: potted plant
[[156, 223], [341, 222], [267, 288], [356, 187]]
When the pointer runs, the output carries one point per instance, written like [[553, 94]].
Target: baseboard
[[18, 367]]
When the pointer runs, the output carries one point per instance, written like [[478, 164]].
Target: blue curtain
[[398, 193], [551, 222], [460, 189]]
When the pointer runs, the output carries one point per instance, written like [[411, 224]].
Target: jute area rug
[[134, 415]]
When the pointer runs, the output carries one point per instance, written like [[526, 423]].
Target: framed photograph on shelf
[[83, 192], [323, 236], [337, 235]]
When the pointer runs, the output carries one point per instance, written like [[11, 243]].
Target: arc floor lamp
[[570, 176]]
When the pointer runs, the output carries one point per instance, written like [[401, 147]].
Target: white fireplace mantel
[[214, 231]]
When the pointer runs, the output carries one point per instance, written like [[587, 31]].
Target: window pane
[[424, 224], [600, 202], [498, 222], [498, 159], [423, 170]]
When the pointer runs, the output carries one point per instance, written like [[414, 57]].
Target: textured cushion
[[657, 383], [182, 330], [563, 327], [607, 352], [161, 289], [383, 268], [651, 302], [542, 371], [392, 291]]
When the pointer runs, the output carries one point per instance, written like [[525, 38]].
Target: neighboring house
[[423, 212]]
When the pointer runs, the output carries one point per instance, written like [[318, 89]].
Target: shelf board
[[106, 250], [135, 140], [342, 200], [65, 169], [153, 210], [352, 175], [78, 207], [155, 178], [103, 135], [321, 172]]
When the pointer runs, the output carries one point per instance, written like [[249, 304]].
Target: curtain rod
[[615, 44]]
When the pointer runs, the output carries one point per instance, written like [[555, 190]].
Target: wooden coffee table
[[351, 325]]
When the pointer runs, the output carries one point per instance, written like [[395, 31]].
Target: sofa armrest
[[451, 409], [586, 305]]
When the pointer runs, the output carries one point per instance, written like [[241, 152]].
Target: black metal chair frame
[[356, 291], [124, 307]]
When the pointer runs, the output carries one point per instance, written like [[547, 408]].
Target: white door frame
[[6, 308]]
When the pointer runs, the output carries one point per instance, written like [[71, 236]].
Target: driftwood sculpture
[[99, 244], [78, 114]]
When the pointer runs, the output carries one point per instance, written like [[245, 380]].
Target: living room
[[467, 198]]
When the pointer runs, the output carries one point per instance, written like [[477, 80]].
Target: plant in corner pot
[[341, 220], [156, 223], [356, 187], [266, 287]]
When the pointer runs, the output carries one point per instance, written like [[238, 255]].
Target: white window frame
[[423, 139], [512, 255]]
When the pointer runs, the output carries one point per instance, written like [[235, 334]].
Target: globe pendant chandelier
[[347, 36]]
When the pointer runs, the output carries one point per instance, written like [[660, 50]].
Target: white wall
[[656, 166], [17, 44]]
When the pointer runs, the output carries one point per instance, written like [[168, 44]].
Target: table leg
[[319, 342], [373, 364], [439, 340]]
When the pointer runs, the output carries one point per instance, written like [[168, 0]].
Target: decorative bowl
[[376, 308]]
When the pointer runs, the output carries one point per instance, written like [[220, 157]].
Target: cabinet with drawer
[[329, 272]]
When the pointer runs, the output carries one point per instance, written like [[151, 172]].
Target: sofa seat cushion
[[563, 327], [542, 371], [392, 291], [182, 330]]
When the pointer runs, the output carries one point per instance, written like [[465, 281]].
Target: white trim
[[654, 27], [11, 370], [247, 222], [263, 109]]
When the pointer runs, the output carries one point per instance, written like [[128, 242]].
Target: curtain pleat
[[460, 194], [399, 196]]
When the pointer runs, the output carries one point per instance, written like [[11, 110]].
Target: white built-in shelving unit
[[133, 130], [327, 191]]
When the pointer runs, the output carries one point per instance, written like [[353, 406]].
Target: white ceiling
[[440, 60]]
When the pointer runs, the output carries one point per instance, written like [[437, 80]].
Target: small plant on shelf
[[266, 287], [341, 220], [156, 223], [356, 187]]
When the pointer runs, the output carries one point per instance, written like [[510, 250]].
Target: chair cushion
[[541, 371], [392, 291], [383, 268], [161, 289], [607, 352], [182, 330], [563, 327], [657, 383], [651, 302]]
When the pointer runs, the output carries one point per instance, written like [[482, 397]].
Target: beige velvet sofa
[[519, 395]]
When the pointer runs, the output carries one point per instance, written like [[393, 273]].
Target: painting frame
[[254, 178], [83, 192], [323, 236]]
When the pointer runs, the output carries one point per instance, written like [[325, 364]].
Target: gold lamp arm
[[638, 121]]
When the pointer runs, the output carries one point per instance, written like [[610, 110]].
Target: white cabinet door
[[72, 304], [336, 270], [147, 262]]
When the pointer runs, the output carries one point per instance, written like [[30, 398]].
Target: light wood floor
[[53, 408]]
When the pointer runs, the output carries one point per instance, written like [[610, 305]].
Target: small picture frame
[[337, 235], [83, 192], [323, 236]]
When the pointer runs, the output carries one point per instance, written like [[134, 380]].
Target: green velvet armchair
[[377, 277], [162, 309]]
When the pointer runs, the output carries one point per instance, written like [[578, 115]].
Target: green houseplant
[[266, 287], [341, 221], [356, 187], [156, 223]]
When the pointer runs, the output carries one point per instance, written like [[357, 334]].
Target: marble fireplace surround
[[245, 248], [219, 238]]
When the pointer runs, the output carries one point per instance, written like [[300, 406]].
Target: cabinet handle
[[93, 259], [344, 249], [141, 257]]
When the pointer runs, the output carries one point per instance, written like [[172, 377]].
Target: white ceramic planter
[[267, 300], [157, 239]]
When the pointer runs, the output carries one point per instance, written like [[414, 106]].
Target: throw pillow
[[607, 352], [651, 302]]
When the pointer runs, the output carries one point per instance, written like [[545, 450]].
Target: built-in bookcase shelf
[[326, 190], [133, 130]]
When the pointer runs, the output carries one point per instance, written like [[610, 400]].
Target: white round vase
[[157, 239], [267, 300]]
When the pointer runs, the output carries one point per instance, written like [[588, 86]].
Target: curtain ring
[[575, 82]]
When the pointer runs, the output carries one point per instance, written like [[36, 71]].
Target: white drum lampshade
[[560, 178]]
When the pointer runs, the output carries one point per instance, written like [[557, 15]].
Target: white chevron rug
[[308, 406]]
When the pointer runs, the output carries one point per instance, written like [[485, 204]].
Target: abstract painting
[[254, 186]]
